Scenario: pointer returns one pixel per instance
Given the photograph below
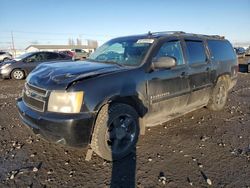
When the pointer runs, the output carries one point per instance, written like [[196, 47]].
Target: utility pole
[[13, 45]]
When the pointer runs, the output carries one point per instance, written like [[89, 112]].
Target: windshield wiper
[[114, 63], [107, 62]]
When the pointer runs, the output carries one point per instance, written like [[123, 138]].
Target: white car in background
[[5, 56], [248, 51]]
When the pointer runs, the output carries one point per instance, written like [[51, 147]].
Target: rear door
[[199, 72], [168, 89], [50, 56]]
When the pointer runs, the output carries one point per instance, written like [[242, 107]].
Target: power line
[[7, 40], [49, 33], [29, 38], [13, 44]]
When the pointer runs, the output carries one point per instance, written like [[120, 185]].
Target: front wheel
[[17, 74], [116, 131], [219, 95]]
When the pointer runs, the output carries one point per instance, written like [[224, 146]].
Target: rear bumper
[[72, 130]]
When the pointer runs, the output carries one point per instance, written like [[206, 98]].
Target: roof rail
[[209, 36], [167, 32], [182, 32], [217, 36]]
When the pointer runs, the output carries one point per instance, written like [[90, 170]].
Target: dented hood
[[60, 75]]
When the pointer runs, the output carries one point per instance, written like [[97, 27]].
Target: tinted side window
[[172, 49], [78, 50], [1, 53], [35, 58], [63, 56], [221, 50], [196, 52], [52, 56]]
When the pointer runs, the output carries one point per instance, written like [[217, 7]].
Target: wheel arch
[[225, 77], [133, 100], [6, 58]]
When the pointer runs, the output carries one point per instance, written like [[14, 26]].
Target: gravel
[[218, 143]]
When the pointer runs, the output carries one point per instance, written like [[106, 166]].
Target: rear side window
[[52, 56], [196, 52], [63, 56], [221, 50], [78, 50]]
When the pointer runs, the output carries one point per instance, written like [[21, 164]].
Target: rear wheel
[[17, 74], [116, 131], [219, 95]]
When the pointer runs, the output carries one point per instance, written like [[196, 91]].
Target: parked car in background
[[68, 52], [241, 52], [248, 51], [21, 66], [126, 85], [79, 54], [5, 56]]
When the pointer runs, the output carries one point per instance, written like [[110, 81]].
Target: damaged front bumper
[[68, 129]]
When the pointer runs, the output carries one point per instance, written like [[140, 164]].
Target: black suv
[[127, 84]]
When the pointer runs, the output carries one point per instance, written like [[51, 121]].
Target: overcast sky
[[54, 21]]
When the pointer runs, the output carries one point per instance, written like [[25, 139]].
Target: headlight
[[5, 66], [65, 102]]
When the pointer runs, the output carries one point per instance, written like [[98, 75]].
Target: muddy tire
[[17, 74], [219, 95], [116, 131]]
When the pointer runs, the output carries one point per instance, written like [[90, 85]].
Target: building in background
[[88, 48]]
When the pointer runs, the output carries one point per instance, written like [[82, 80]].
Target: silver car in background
[[248, 51], [5, 56]]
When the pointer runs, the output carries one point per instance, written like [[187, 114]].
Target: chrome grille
[[37, 90], [35, 97]]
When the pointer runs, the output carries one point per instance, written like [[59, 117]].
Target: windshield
[[23, 56], [127, 52]]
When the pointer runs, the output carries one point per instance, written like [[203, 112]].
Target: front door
[[168, 89], [32, 61]]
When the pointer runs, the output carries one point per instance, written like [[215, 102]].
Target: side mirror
[[164, 63]]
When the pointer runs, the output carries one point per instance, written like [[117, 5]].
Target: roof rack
[[188, 34], [209, 36], [167, 32], [216, 36]]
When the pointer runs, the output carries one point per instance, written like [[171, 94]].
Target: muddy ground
[[196, 150]]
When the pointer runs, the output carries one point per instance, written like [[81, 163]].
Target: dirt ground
[[200, 149]]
